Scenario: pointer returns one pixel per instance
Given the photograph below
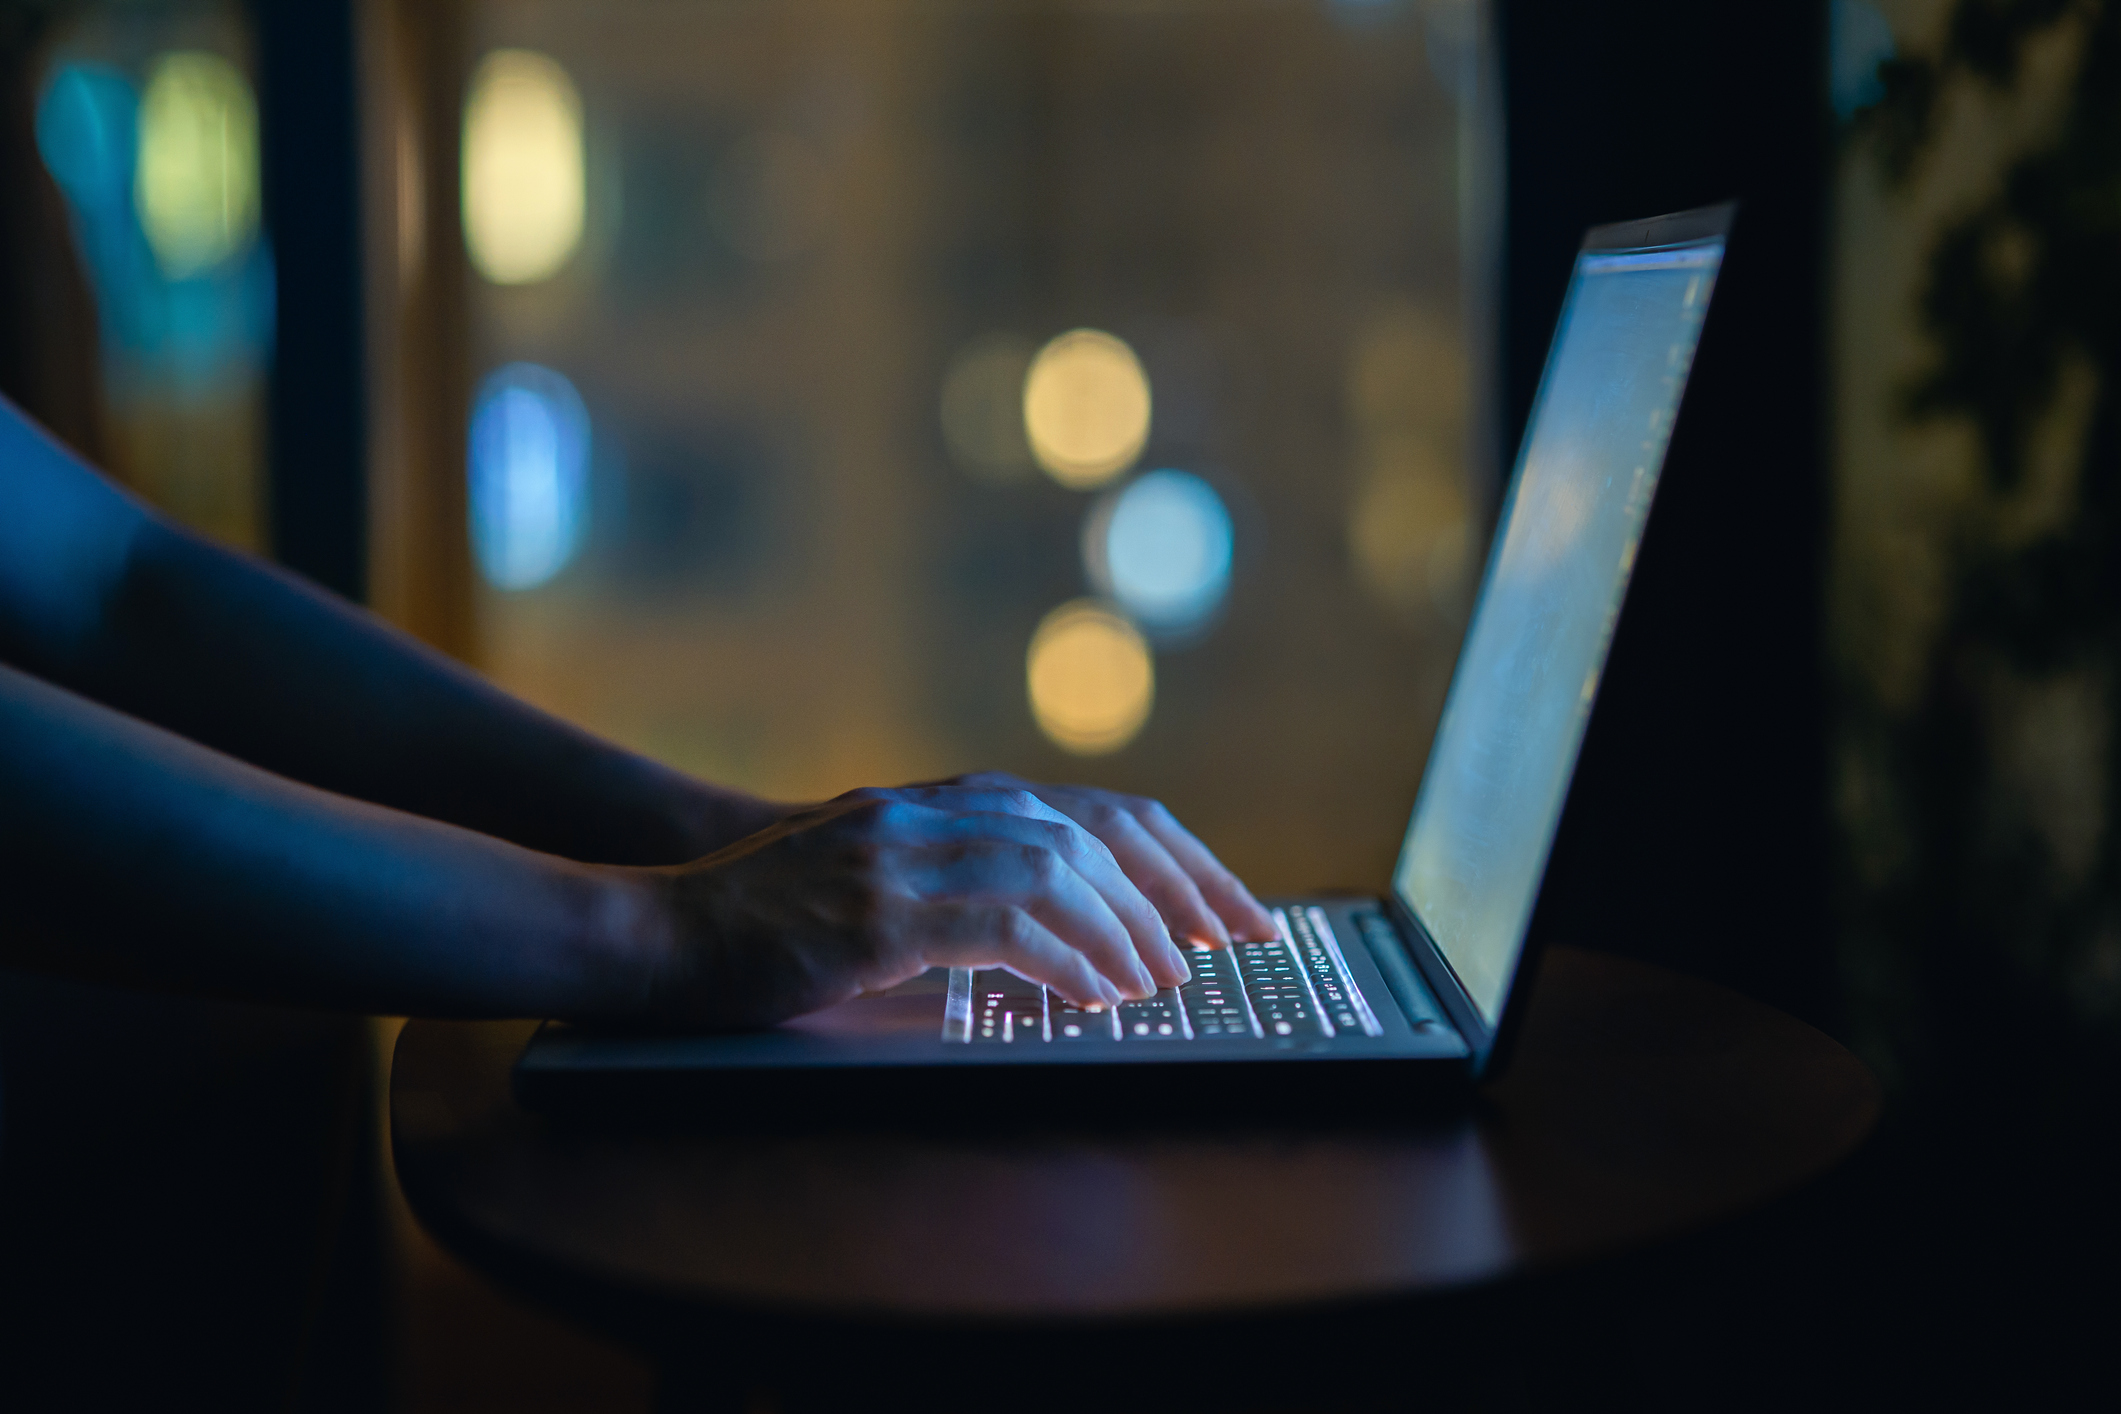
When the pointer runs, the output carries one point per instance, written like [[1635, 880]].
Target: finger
[[990, 935], [1160, 878], [1139, 891], [1138, 914], [1024, 863], [1020, 816], [1219, 888]]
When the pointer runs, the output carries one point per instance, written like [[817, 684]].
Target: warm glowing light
[[529, 475], [196, 185], [1161, 546], [1091, 679], [1086, 408], [983, 407], [523, 185], [1410, 526], [1411, 529]]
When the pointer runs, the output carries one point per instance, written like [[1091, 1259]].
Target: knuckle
[[868, 822], [1015, 928], [1045, 865]]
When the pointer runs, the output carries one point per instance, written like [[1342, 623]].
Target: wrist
[[709, 819], [624, 948]]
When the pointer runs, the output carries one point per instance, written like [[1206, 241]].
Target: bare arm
[[131, 854], [99, 595], [213, 776]]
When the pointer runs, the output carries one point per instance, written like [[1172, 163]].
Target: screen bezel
[[1490, 1045]]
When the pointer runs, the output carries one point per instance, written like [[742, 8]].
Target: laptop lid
[[1520, 698]]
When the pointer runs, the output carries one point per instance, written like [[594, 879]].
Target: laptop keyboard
[[1296, 986]]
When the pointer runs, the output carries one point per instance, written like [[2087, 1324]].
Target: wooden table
[[1642, 1105]]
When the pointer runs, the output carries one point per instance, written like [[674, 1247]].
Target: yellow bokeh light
[[1086, 408], [1090, 677], [523, 184], [1411, 528], [196, 185]]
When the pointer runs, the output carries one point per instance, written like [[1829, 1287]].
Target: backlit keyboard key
[[1281, 997], [1069, 1022], [1215, 999], [1160, 1018], [1296, 986], [1006, 1009]]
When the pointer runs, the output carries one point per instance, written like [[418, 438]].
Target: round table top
[[1641, 1104]]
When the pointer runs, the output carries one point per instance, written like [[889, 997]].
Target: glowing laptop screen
[[1506, 746]]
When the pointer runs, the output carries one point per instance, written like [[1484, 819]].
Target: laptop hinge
[[1442, 981]]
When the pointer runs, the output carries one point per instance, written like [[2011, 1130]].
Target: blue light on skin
[[200, 330], [529, 475], [1160, 546]]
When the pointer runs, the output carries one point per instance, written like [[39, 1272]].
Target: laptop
[[1363, 1000]]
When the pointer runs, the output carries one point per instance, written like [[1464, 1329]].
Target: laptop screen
[[1506, 746]]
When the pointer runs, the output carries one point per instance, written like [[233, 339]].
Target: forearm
[[260, 665], [130, 853]]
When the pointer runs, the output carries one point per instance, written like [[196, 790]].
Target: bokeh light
[[1086, 408], [529, 475], [1411, 524], [983, 407], [87, 133], [196, 183], [1410, 529], [523, 168], [1090, 677], [190, 300], [1161, 546]]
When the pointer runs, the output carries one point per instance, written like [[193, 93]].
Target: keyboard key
[[1215, 1003], [1160, 1018], [1327, 971], [1006, 1009], [1294, 986], [1280, 992], [1068, 1022]]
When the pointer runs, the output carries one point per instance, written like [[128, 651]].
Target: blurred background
[[834, 392]]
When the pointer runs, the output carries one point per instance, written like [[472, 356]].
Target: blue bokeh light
[[88, 135], [200, 330], [1160, 546], [529, 475]]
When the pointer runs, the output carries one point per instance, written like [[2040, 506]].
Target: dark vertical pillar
[[1696, 832], [310, 143]]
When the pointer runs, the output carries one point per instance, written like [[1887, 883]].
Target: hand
[[876, 886], [1200, 900]]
